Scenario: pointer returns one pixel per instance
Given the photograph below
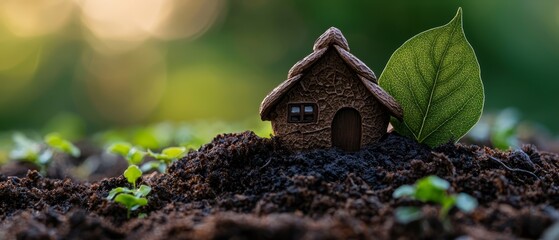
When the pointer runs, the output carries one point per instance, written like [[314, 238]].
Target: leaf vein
[[418, 69], [410, 89], [433, 88], [451, 117]]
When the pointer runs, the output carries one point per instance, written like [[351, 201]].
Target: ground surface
[[251, 188]]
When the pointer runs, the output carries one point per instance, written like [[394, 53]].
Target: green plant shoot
[[166, 157], [55, 141], [133, 155], [41, 153], [168, 154], [132, 173], [131, 202], [431, 189], [435, 76], [133, 198], [121, 149]]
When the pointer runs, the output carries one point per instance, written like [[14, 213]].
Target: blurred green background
[[96, 64]]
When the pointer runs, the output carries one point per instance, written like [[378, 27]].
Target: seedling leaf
[[406, 215], [25, 148], [173, 152], [117, 191], [436, 182], [135, 156], [121, 149], [435, 77], [431, 188], [130, 202], [157, 165], [132, 173], [404, 191], [157, 156], [45, 157], [466, 203], [143, 191], [54, 140], [446, 204], [168, 154], [504, 129]]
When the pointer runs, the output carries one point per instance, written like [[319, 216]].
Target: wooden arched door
[[346, 130]]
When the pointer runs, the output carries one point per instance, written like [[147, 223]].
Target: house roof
[[331, 39]]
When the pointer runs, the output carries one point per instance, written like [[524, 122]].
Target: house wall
[[332, 85]]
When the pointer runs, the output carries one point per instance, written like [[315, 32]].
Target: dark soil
[[241, 186]]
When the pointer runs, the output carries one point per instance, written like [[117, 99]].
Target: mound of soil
[[244, 187]]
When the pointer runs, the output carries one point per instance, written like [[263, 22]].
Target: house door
[[346, 130]]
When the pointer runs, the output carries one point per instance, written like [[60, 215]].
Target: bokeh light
[[124, 23], [28, 18], [187, 19]]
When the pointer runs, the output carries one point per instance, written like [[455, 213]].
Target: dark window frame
[[302, 117]]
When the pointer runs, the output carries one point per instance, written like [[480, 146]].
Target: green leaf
[[130, 201], [25, 149], [431, 188], [118, 190], [406, 215], [503, 132], [435, 181], [56, 141], [143, 191], [45, 157], [404, 191], [447, 204], [121, 149], [435, 77], [154, 165], [466, 203], [135, 156], [174, 152], [132, 173], [168, 154], [157, 156]]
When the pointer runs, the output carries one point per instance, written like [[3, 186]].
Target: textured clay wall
[[332, 85]]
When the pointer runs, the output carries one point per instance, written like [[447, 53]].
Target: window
[[302, 113]]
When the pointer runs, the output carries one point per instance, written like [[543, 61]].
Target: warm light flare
[[189, 18], [122, 25], [29, 18], [124, 19]]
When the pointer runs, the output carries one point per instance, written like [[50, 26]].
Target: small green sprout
[[25, 149], [55, 141], [132, 154], [121, 149], [169, 154], [135, 156], [133, 198], [131, 202], [41, 153], [132, 173], [503, 133], [431, 189], [163, 159]]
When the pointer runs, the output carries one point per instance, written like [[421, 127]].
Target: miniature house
[[330, 99]]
